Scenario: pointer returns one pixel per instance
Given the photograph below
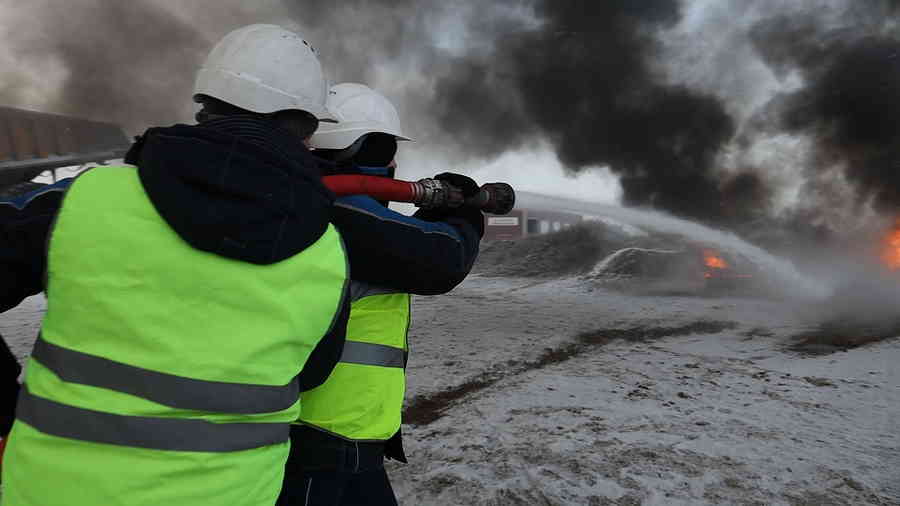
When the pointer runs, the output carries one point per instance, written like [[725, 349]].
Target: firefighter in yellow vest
[[192, 294], [351, 423]]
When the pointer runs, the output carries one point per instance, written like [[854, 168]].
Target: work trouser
[[9, 387], [324, 470]]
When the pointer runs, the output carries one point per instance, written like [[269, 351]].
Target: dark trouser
[[9, 387], [340, 488], [323, 470]]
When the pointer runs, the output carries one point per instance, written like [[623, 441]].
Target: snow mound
[[573, 251], [650, 271]]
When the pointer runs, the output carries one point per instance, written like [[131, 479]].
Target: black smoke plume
[[584, 80], [854, 111], [850, 103]]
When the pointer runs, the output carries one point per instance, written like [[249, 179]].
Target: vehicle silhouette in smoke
[[686, 268]]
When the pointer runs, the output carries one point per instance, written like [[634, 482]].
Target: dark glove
[[469, 188], [465, 184]]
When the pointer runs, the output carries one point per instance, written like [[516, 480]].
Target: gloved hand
[[465, 184], [469, 188]]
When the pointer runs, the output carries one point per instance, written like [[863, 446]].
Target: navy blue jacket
[[25, 222], [387, 248], [24, 226]]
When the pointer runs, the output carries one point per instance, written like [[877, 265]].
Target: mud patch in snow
[[828, 340], [835, 336], [864, 311], [426, 409], [644, 334]]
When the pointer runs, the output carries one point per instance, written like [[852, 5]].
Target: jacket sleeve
[[25, 223], [387, 248]]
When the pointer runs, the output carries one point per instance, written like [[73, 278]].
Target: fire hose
[[494, 198]]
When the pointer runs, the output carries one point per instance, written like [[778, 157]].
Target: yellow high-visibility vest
[[362, 399], [163, 374]]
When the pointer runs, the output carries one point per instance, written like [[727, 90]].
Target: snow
[[46, 177], [724, 418], [524, 411], [19, 326]]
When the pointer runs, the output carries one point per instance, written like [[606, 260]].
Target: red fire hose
[[494, 198], [379, 188]]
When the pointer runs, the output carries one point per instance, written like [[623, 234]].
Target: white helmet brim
[[343, 135]]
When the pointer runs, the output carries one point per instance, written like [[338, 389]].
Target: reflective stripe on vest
[[356, 352], [362, 399], [171, 434], [167, 389]]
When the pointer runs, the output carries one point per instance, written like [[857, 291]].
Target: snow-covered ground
[[553, 392]]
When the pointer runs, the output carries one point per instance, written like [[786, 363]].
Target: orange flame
[[891, 254], [712, 259]]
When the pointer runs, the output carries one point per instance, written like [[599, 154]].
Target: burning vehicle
[[723, 272], [890, 254], [691, 269]]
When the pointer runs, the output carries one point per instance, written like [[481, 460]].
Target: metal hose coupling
[[434, 194]]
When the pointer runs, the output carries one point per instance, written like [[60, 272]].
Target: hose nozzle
[[494, 198]]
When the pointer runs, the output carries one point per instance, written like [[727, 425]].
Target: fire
[[712, 260], [719, 269], [891, 254]]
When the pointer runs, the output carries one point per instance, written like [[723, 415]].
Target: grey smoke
[[124, 61]]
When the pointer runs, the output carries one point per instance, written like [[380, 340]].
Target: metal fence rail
[[32, 142]]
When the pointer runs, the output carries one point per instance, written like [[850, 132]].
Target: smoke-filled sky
[[722, 110]]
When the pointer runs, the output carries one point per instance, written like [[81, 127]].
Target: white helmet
[[359, 110], [264, 69]]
